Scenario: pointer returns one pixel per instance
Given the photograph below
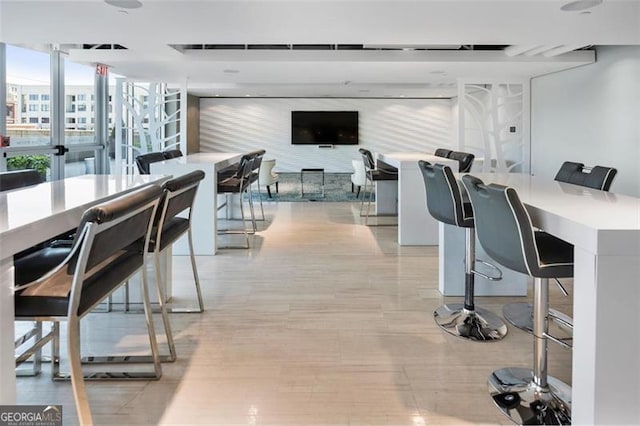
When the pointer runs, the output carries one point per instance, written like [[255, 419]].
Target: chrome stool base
[[525, 403], [479, 325], [520, 315]]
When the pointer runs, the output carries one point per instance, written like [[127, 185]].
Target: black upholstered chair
[[109, 247], [464, 159], [256, 162], [19, 179], [179, 196], [445, 204], [373, 175], [171, 153], [442, 152], [238, 183], [506, 233], [596, 177], [143, 161]]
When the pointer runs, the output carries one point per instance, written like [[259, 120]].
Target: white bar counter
[[416, 227], [34, 214], [205, 209], [605, 229]]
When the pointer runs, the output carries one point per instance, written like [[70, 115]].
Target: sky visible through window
[[29, 67]]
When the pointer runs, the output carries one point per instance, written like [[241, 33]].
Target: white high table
[[416, 227], [205, 208], [33, 214], [605, 230]]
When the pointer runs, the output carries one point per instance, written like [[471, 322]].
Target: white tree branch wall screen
[[494, 122], [147, 120]]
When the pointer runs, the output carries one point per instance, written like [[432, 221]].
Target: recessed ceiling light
[[124, 4], [217, 94], [247, 95], [577, 5], [124, 12]]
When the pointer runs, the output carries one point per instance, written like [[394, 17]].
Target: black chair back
[[442, 152], [19, 179], [444, 198], [597, 177], [172, 153], [464, 159], [502, 224], [367, 157], [143, 161]]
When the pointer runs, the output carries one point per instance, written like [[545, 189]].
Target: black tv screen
[[324, 127]]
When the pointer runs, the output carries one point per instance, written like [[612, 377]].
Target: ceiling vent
[[325, 47], [103, 47]]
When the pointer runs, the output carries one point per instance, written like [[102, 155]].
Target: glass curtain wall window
[[28, 87], [31, 83]]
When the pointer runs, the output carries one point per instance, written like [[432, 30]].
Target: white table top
[[205, 158], [33, 214], [603, 222], [399, 159]]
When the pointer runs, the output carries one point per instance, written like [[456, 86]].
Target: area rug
[[337, 187]]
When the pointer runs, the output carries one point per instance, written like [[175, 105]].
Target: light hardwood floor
[[324, 321]]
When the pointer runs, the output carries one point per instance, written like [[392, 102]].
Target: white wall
[[242, 125], [590, 115]]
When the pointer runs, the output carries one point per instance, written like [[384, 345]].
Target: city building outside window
[[44, 107], [33, 97], [33, 107]]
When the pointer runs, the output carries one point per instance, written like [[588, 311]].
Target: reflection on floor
[[324, 321]]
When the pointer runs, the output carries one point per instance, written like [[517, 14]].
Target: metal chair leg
[[532, 396], [77, 379], [196, 279], [260, 198], [466, 320]]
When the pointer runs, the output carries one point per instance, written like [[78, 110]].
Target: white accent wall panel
[[386, 125], [590, 115]]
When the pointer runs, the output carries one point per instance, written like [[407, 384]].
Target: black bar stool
[[505, 231], [520, 314], [445, 203]]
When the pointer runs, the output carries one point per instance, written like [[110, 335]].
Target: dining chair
[[109, 247], [267, 176], [358, 177], [506, 233], [447, 205], [179, 196], [373, 175], [238, 183], [442, 152], [171, 153], [143, 161], [520, 314], [15, 179]]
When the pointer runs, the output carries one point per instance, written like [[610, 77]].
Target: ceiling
[[375, 48]]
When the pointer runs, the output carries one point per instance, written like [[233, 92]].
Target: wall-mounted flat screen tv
[[324, 127]]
